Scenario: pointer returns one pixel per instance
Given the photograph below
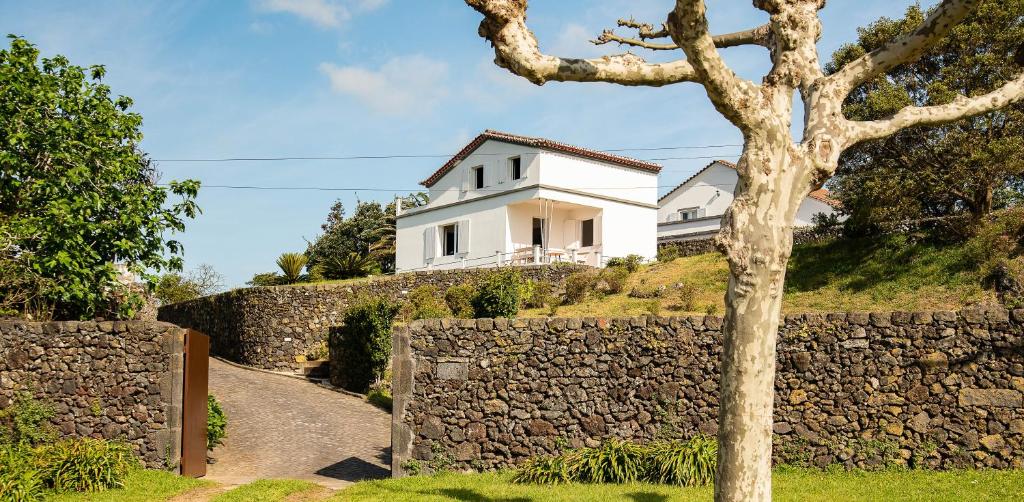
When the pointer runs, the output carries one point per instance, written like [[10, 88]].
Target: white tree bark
[[775, 175]]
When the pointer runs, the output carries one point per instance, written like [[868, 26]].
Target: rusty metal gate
[[193, 424]]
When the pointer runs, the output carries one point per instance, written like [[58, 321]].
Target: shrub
[[537, 294], [20, 480], [653, 306], [380, 397], [85, 464], [613, 279], [668, 253], [361, 347], [291, 265], [630, 262], [349, 266], [687, 296], [425, 302], [645, 291], [26, 422], [578, 284], [216, 423], [499, 294], [684, 463], [266, 279], [460, 300], [318, 352]]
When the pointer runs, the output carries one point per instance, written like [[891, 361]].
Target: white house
[[514, 200], [694, 209]]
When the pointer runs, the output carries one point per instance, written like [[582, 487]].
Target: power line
[[425, 156]]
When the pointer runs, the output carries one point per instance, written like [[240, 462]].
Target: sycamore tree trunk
[[757, 239]]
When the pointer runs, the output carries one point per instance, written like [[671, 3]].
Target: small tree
[[775, 172], [361, 347], [175, 287], [499, 294], [77, 195]]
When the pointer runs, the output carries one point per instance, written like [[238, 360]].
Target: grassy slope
[[839, 276], [789, 485]]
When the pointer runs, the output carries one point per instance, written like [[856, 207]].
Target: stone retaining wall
[[274, 327], [706, 244], [112, 380], [939, 389]]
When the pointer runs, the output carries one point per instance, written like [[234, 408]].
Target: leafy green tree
[[174, 287], [369, 233], [76, 192], [969, 167]]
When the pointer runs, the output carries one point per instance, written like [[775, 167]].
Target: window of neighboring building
[[538, 232], [450, 240], [690, 213], [587, 233], [478, 176], [515, 168]]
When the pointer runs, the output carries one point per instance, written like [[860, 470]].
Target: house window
[[538, 232], [478, 177], [450, 240], [515, 168], [690, 213], [587, 233]]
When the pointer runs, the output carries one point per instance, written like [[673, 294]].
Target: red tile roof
[[544, 143], [821, 194]]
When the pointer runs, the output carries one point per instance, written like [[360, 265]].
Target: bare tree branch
[[760, 35], [960, 108], [516, 49], [645, 31], [902, 50], [731, 95]]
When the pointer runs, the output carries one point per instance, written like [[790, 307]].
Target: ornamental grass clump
[[682, 463], [86, 464]]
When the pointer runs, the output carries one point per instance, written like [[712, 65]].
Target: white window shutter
[[466, 176], [573, 233], [429, 247], [463, 234], [503, 171]]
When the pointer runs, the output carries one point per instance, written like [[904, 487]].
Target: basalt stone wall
[[704, 245], [104, 379], [274, 327], [938, 389]]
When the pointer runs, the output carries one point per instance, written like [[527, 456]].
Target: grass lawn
[[789, 485], [265, 490], [886, 274], [141, 486]]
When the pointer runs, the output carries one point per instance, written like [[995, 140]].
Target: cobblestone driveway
[[281, 427]]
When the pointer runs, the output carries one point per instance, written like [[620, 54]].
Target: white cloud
[[404, 85], [323, 13]]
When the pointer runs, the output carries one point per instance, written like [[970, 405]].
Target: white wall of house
[[706, 196], [499, 217]]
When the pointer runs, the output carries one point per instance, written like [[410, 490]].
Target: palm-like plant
[[291, 265], [348, 266]]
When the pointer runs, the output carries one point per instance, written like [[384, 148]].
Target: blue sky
[[278, 78]]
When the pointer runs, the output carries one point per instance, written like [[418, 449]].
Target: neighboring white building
[[512, 200], [694, 209]]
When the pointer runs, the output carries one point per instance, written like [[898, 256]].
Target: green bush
[[216, 423], [499, 294], [668, 253], [460, 300], [425, 302], [630, 262], [578, 284], [361, 346], [613, 279], [684, 463], [85, 464], [26, 422], [20, 480], [537, 294]]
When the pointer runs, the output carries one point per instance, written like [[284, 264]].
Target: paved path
[[281, 427]]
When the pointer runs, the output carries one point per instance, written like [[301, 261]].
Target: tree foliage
[[77, 195], [291, 265], [175, 287], [968, 167], [369, 234]]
